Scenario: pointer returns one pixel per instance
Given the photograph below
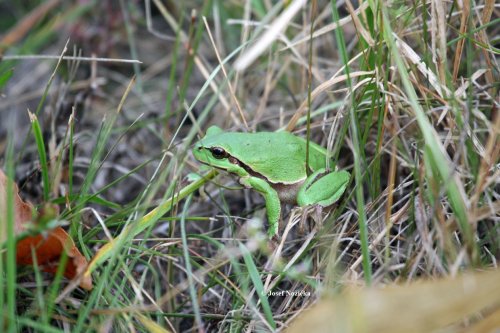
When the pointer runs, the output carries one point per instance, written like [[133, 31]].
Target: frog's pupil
[[218, 152]]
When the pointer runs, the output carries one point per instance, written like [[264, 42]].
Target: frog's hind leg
[[323, 188]]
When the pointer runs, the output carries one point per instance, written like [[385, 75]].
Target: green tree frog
[[274, 164]]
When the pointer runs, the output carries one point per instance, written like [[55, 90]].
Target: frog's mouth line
[[235, 161], [249, 170]]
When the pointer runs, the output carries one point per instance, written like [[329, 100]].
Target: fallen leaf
[[48, 251], [22, 210], [48, 246]]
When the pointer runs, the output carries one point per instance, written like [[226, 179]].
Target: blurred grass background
[[404, 95]]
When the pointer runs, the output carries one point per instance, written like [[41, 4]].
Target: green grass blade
[[363, 228], [434, 148], [40, 144], [189, 270], [259, 287], [5, 76], [148, 220], [7, 224]]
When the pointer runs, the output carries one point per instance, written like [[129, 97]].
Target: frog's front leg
[[273, 205]]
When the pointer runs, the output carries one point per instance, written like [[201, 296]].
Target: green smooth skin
[[274, 164]]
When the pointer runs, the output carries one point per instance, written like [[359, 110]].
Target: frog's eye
[[218, 152]]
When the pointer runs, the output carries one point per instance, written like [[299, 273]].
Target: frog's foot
[[303, 227], [316, 212], [318, 215]]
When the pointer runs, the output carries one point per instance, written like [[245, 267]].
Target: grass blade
[[40, 144], [259, 287]]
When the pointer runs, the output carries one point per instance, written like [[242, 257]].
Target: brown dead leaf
[[48, 252], [47, 247], [22, 210]]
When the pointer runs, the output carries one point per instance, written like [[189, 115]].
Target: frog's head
[[214, 149]]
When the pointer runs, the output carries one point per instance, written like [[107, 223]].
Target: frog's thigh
[[323, 190], [273, 205]]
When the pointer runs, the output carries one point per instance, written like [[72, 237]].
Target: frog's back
[[278, 155]]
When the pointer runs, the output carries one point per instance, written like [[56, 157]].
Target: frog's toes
[[316, 213]]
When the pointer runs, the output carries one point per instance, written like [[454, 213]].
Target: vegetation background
[[404, 94]]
